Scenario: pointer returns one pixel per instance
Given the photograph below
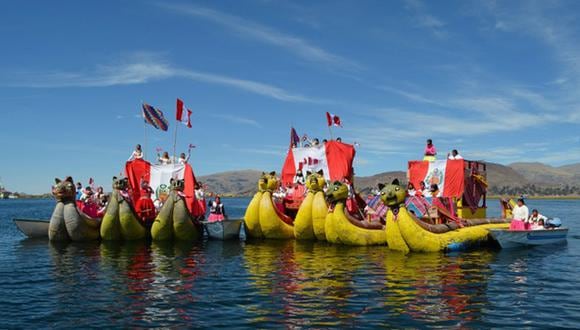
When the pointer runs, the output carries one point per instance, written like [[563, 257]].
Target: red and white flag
[[333, 158], [448, 175], [333, 120], [159, 177], [183, 115]]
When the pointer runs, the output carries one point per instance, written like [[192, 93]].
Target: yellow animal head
[[337, 192], [120, 184], [177, 184], [64, 191], [393, 194], [263, 182], [315, 181], [272, 181]]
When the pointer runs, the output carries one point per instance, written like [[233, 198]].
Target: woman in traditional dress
[[144, 206], [217, 211], [137, 153]]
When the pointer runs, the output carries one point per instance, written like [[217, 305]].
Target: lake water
[[275, 284]]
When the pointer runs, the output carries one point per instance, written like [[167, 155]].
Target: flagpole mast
[[175, 139], [330, 131], [144, 133]]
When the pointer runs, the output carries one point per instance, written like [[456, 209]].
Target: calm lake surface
[[275, 284]]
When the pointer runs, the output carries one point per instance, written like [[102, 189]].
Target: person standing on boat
[[79, 192], [182, 159], [430, 151], [454, 155], [165, 159], [520, 214], [217, 211], [144, 206], [136, 154]]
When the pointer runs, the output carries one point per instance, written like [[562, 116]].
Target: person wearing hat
[[520, 214]]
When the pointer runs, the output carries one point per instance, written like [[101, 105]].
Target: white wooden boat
[[33, 228], [521, 238], [224, 230]]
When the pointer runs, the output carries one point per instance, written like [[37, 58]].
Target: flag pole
[[144, 133], [330, 131], [175, 139]]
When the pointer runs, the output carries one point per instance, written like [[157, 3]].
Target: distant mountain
[[237, 183], [514, 179]]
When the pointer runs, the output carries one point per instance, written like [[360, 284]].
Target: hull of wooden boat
[[224, 230], [521, 238], [33, 228], [419, 239]]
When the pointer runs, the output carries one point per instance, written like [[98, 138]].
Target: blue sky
[[496, 80]]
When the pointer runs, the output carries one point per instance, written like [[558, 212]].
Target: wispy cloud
[[268, 35], [141, 70], [422, 18], [238, 120]]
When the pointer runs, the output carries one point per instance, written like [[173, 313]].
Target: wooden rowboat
[[33, 228], [224, 230], [521, 238]]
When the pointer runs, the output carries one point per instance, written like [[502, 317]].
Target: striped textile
[[154, 117], [375, 203]]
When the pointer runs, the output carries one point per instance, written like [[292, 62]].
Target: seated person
[[454, 155], [535, 218], [299, 178], [538, 225], [411, 189]]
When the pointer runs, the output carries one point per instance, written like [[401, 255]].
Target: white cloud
[[422, 18], [238, 120], [141, 70], [265, 34]]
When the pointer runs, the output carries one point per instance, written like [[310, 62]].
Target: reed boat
[[311, 216], [300, 211], [343, 227], [453, 218], [120, 221], [68, 222]]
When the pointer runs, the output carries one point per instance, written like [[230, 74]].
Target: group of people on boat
[[305, 142], [523, 220], [91, 201], [162, 158], [431, 152]]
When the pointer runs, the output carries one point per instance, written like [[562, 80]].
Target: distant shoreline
[[571, 197]]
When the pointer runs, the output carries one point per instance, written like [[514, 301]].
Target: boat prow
[[224, 230], [33, 228], [521, 238]]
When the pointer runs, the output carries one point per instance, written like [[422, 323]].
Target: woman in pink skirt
[[216, 210]]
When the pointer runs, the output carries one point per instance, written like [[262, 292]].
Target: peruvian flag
[[158, 177], [181, 115], [333, 158], [333, 120], [448, 175]]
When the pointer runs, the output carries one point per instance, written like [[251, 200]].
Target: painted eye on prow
[[335, 188], [397, 189]]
